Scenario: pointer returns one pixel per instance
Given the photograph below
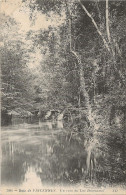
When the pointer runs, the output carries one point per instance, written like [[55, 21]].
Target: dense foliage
[[82, 70]]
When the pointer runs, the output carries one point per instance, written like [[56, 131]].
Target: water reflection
[[49, 153], [48, 125], [37, 154], [24, 120], [30, 176], [60, 124], [45, 125]]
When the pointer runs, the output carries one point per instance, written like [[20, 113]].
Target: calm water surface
[[40, 154], [51, 153]]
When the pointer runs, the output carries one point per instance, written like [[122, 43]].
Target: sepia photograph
[[63, 97]]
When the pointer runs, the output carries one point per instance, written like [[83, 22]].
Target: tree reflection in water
[[51, 158], [49, 154]]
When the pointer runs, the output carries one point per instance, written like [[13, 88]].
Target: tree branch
[[107, 22], [96, 26]]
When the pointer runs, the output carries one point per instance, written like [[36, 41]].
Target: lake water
[[48, 153], [44, 152]]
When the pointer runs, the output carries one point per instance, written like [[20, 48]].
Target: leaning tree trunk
[[109, 45], [90, 116], [91, 143]]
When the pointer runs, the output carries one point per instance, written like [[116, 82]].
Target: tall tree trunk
[[90, 116], [115, 45], [93, 126], [83, 87], [96, 26], [91, 143], [107, 22]]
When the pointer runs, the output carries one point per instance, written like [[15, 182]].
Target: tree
[[102, 64], [16, 90], [82, 67]]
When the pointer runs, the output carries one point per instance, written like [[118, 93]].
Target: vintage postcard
[[63, 97]]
